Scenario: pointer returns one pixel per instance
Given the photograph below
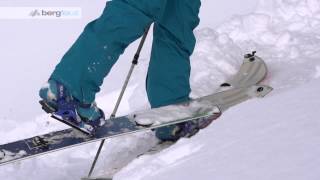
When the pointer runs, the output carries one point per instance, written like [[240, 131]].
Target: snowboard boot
[[185, 129], [58, 101]]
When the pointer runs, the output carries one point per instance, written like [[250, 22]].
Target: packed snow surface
[[276, 137]]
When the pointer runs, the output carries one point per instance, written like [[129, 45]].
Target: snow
[[272, 138], [276, 137]]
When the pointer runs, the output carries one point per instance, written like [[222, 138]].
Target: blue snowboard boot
[[57, 101], [185, 129]]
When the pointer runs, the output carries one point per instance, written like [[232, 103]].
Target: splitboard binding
[[243, 86], [68, 119]]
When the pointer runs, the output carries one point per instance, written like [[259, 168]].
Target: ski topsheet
[[243, 86]]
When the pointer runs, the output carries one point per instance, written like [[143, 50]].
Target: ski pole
[[113, 115]]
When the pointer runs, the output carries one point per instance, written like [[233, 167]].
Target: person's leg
[[169, 68], [83, 68], [173, 44], [72, 87]]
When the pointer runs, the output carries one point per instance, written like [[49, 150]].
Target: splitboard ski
[[252, 72]]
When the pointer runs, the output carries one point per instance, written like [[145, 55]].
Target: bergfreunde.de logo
[[34, 13], [55, 13], [40, 12]]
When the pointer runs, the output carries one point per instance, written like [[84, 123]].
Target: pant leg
[[173, 44], [83, 68], [169, 68]]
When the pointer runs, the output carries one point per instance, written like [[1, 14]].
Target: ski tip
[[251, 57]]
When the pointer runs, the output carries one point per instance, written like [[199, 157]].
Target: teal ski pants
[[83, 68]]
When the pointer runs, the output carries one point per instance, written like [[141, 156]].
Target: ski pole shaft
[[113, 115]]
